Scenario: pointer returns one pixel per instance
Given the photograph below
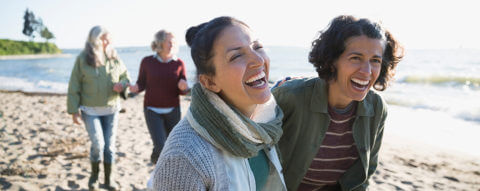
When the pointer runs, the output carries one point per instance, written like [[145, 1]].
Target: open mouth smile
[[257, 81], [359, 84]]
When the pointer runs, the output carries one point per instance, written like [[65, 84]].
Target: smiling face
[[168, 46], [358, 68], [241, 69], [105, 39]]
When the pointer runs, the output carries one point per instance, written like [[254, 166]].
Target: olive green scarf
[[228, 128]]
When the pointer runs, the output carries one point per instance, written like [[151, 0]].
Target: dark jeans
[[159, 127]]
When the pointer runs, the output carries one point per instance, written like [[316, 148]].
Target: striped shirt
[[337, 152]]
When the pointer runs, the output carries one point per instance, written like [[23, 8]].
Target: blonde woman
[[97, 80], [162, 76]]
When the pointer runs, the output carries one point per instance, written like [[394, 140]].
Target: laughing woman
[[226, 141], [333, 124]]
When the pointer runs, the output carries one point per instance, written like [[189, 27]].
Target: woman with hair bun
[[98, 79], [163, 78], [227, 139]]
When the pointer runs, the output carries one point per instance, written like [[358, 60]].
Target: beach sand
[[42, 149]]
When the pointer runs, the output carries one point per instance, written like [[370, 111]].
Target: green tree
[[46, 34], [29, 24], [32, 25]]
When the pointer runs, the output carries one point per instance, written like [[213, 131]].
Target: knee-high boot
[[110, 176], [93, 181]]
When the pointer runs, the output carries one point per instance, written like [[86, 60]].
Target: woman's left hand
[[118, 87]]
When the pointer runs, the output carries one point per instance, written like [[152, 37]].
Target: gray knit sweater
[[194, 161]]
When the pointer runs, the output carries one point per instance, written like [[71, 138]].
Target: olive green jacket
[[93, 86], [304, 103]]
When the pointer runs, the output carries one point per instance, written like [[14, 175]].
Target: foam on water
[[20, 84]]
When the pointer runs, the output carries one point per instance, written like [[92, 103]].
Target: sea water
[[432, 88]]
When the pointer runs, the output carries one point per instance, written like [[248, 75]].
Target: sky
[[417, 24]]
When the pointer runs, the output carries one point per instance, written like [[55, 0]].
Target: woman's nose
[[366, 68], [256, 59]]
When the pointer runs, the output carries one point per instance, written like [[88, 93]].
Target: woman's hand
[[118, 87], [76, 118], [134, 88], [182, 85]]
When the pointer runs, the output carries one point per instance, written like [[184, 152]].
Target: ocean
[[431, 88]]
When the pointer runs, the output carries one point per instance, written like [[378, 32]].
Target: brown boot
[[110, 177], [93, 180]]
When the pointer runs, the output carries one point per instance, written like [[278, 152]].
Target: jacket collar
[[319, 99]]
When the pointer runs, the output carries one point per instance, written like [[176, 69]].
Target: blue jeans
[[102, 131], [159, 126]]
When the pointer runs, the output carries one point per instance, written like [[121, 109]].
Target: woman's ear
[[208, 82]]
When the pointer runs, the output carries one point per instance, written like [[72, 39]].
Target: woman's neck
[[165, 56], [336, 99]]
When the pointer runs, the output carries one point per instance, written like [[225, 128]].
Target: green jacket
[[90, 86], [304, 103]]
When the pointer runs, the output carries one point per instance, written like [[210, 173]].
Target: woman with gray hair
[[162, 76], [98, 79]]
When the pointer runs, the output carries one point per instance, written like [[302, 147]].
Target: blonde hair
[[159, 38], [93, 47]]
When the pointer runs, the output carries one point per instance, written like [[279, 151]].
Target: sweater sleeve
[[74, 88], [124, 76], [183, 72], [142, 76], [183, 75], [175, 172]]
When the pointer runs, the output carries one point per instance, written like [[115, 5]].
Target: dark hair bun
[[192, 32]]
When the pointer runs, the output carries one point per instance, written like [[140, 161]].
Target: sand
[[42, 149]]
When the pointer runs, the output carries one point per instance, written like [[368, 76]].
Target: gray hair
[[159, 38], [94, 49]]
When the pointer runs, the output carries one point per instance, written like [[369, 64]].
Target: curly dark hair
[[330, 44]]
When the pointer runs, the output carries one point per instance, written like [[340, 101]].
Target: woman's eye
[[377, 61], [355, 58], [258, 47], [235, 57]]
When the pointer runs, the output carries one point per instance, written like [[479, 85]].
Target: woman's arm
[[142, 78], [175, 172], [182, 82], [124, 76], [74, 88]]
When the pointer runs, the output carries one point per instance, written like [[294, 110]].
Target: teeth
[[260, 84], [256, 77], [361, 82]]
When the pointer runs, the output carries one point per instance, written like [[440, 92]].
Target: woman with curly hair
[[333, 124]]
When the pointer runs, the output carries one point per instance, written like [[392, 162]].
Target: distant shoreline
[[33, 93], [33, 56]]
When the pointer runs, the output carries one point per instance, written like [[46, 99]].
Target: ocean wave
[[23, 85], [438, 80]]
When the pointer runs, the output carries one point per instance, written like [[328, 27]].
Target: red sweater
[[159, 80]]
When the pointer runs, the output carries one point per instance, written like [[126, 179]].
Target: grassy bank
[[12, 47]]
